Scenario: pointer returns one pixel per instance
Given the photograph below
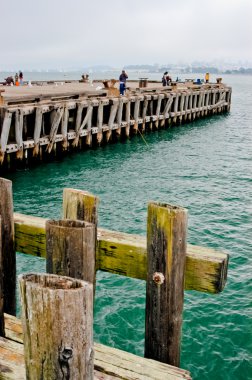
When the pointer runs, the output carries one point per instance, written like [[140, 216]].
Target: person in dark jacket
[[21, 76], [122, 79], [164, 81]]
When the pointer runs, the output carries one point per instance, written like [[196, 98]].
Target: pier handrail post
[[2, 333], [57, 318], [70, 249], [166, 255], [8, 249]]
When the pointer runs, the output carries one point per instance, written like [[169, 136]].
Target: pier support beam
[[66, 350], [5, 134], [166, 257]]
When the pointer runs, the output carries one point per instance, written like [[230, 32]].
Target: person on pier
[[16, 80], [207, 77], [122, 79], [20, 78], [166, 79]]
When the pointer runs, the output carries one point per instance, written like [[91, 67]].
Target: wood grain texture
[[126, 254], [166, 256], [1, 286], [70, 249], [8, 251], [112, 362], [57, 319]]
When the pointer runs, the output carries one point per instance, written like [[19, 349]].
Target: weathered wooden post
[[1, 287], [79, 204], [166, 254], [57, 318], [70, 249], [8, 250]]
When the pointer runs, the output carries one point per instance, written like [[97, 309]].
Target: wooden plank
[[110, 361], [12, 365], [125, 254]]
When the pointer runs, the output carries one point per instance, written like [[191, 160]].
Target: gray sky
[[76, 33]]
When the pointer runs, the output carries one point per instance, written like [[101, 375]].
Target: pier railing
[[35, 127], [167, 263]]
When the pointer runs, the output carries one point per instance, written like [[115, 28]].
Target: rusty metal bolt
[[158, 278]]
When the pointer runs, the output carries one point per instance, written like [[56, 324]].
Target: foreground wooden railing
[[166, 262], [126, 254]]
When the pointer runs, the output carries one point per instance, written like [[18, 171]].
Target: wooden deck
[[110, 363]]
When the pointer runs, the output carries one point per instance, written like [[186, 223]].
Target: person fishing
[[122, 80]]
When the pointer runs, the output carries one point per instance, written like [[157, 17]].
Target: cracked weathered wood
[[57, 318], [1, 286], [8, 250], [166, 258], [70, 249], [125, 254], [117, 363]]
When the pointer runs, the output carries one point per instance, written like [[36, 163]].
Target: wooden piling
[[70, 249], [19, 118], [57, 318], [8, 251], [1, 287], [5, 134], [166, 255], [81, 205]]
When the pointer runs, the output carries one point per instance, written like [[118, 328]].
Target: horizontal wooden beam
[[109, 363], [125, 254]]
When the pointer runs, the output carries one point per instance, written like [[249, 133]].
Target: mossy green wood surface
[[166, 257], [116, 363], [125, 254]]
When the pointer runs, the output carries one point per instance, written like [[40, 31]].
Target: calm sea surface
[[204, 166]]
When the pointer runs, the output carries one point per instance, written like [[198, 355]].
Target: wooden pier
[[75, 247], [40, 122]]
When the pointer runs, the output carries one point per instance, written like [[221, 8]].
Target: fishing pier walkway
[[47, 120], [55, 340]]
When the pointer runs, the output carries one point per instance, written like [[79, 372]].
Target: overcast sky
[[76, 33]]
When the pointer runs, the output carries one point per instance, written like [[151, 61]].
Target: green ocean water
[[204, 166]]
